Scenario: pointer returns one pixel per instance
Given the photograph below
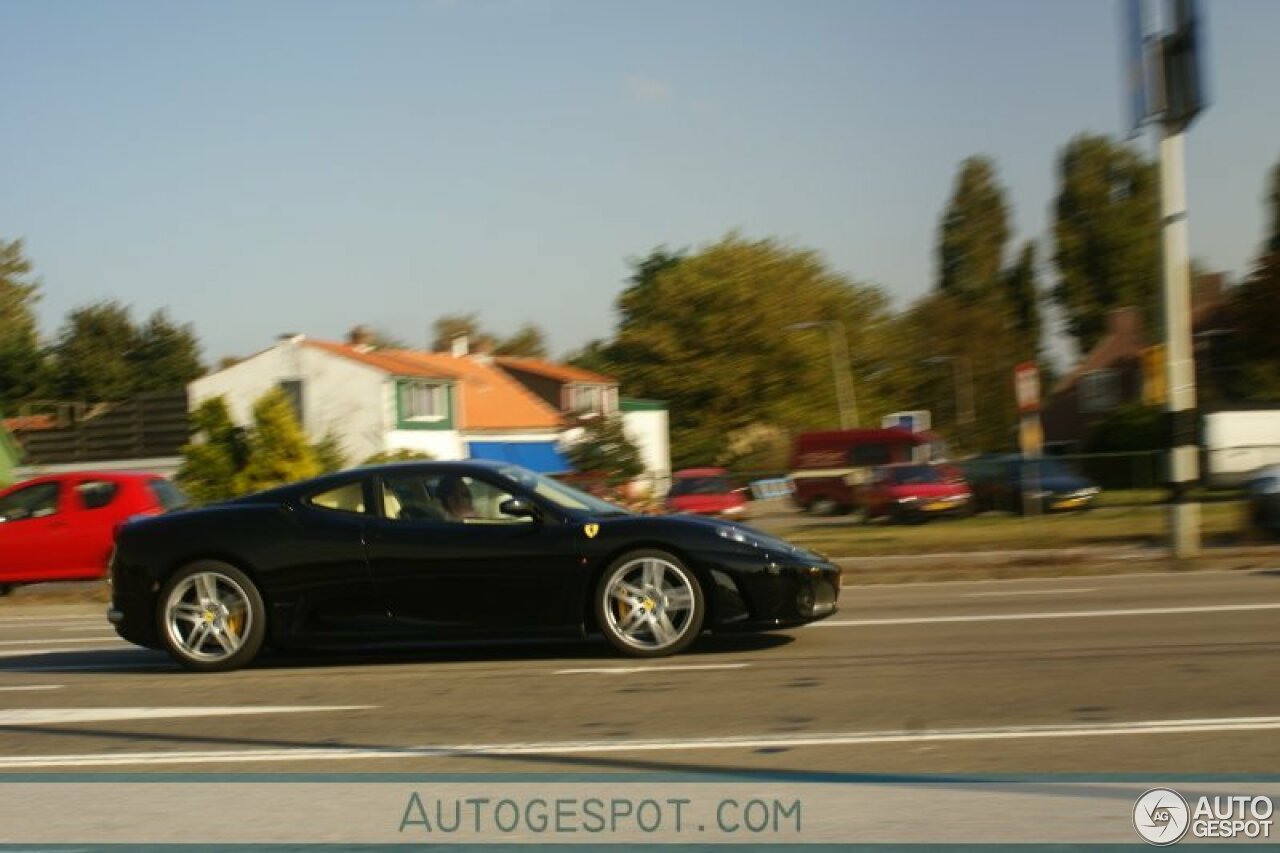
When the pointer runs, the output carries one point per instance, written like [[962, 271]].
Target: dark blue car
[[1013, 483]]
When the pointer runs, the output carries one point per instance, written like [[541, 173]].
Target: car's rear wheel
[[824, 506], [649, 604], [211, 617]]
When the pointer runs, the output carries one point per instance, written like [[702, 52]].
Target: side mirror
[[520, 508]]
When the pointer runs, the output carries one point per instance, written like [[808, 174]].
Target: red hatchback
[[706, 491], [916, 492], [60, 527]]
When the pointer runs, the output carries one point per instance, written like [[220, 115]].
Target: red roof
[[488, 399], [552, 370]]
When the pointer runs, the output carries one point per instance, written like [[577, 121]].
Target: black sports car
[[434, 550]]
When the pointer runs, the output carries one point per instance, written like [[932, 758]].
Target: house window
[[1099, 391], [292, 390], [423, 405], [423, 401], [600, 399]]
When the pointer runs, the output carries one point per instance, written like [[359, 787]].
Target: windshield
[[565, 497], [700, 486], [916, 474], [1045, 468]]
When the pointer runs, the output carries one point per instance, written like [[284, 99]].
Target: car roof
[[61, 476], [291, 490]]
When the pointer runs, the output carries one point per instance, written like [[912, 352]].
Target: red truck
[[827, 468]]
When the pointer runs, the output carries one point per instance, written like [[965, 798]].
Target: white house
[[374, 400], [454, 405]]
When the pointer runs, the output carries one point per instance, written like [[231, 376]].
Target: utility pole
[[1165, 85], [841, 373]]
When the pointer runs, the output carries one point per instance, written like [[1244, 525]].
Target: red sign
[[1026, 386]]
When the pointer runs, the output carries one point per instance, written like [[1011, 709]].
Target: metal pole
[[845, 392], [1184, 516]]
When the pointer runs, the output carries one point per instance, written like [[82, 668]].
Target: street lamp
[[962, 374], [840, 372]]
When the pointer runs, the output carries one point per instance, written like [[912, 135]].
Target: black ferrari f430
[[426, 551]]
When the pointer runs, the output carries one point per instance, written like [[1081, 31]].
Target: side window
[[167, 494], [444, 497], [95, 494], [486, 502], [412, 497], [348, 497], [869, 454], [35, 501]]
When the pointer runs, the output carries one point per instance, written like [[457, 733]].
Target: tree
[[329, 454], [225, 460], [102, 356], [605, 449], [1273, 204], [21, 365], [399, 455], [708, 332], [211, 462], [941, 327], [166, 356], [278, 452], [1107, 235], [527, 342], [1250, 357], [94, 358], [450, 326], [1022, 295], [974, 232]]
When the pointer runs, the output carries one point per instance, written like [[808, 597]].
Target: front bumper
[[773, 593]]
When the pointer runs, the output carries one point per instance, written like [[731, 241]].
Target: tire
[[823, 506], [640, 604], [5, 589], [222, 605]]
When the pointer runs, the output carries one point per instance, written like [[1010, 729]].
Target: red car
[[913, 492], [61, 527], [706, 491]]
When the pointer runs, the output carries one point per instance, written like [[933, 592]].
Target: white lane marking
[[33, 687], [35, 640], [57, 716], [65, 651], [1065, 614], [1139, 727], [1061, 591], [29, 620], [625, 670], [157, 666]]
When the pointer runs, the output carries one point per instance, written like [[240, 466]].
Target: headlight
[[737, 534], [909, 499]]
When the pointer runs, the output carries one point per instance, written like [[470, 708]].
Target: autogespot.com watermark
[[1162, 816], [434, 817]]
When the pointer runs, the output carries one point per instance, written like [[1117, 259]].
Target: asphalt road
[[1165, 673]]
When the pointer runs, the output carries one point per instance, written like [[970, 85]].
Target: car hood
[[761, 539]]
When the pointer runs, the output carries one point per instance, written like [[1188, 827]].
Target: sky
[[303, 166]]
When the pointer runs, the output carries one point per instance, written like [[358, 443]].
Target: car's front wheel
[[649, 604], [211, 617]]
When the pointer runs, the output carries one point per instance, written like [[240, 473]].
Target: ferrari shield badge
[[591, 530]]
